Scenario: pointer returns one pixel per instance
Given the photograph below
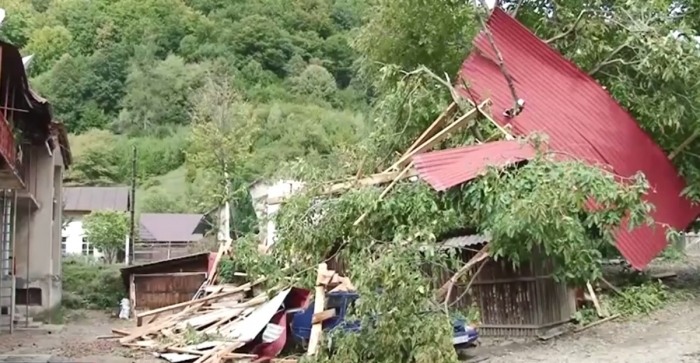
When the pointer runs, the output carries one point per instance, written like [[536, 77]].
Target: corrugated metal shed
[[88, 199], [581, 119], [447, 168], [170, 227]]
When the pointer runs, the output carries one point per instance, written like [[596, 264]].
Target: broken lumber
[[442, 135], [322, 316], [597, 322], [385, 192], [319, 305], [438, 124], [599, 310], [209, 298]]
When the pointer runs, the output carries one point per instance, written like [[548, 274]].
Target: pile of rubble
[[237, 323]]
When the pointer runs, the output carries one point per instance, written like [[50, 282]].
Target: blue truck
[[465, 336]]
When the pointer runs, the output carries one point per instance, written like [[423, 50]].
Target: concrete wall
[[38, 242], [260, 193]]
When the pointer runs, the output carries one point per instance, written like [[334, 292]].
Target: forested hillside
[[315, 80], [123, 73]]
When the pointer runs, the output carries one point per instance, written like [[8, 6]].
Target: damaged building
[[34, 153]]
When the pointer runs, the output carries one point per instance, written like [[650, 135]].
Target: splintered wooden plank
[[319, 305], [209, 298], [440, 136], [322, 316], [438, 124]]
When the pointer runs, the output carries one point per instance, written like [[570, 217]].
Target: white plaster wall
[[74, 234], [265, 212]]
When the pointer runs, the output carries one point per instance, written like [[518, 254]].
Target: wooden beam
[[596, 303], [132, 295], [432, 129], [385, 192], [374, 179], [440, 136], [169, 274], [319, 305], [322, 316]]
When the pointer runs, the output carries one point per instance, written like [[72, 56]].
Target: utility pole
[[132, 231], [224, 234]]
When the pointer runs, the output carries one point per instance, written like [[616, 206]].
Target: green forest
[[124, 74], [319, 85]]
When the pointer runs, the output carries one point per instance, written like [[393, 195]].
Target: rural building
[[267, 197], [81, 201], [34, 152], [156, 284], [163, 236]]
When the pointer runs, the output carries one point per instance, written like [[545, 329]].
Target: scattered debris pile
[[239, 323], [213, 327]]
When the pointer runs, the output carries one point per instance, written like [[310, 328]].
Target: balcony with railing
[[10, 169], [25, 127]]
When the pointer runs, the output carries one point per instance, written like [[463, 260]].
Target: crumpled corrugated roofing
[[581, 119], [464, 241], [445, 169]]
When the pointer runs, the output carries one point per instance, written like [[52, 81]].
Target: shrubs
[[91, 285]]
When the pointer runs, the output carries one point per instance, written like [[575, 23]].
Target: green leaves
[[107, 231], [546, 206], [410, 33]]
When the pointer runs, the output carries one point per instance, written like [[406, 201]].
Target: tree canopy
[[107, 231]]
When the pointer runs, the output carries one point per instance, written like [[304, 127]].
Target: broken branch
[[447, 287], [684, 144], [609, 59], [568, 31], [499, 56]]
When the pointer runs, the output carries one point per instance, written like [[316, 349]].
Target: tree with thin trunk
[[107, 231]]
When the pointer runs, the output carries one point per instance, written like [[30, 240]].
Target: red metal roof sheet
[[447, 168], [581, 119]]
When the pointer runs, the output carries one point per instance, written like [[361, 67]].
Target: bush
[[91, 285]]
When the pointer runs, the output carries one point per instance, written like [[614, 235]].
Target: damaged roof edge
[[59, 131], [14, 73]]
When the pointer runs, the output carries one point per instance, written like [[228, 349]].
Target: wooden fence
[[512, 302], [152, 291]]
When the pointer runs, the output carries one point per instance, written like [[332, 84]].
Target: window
[[30, 296], [64, 242], [86, 247]]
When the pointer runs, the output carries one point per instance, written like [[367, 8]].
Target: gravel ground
[[76, 341], [671, 335]]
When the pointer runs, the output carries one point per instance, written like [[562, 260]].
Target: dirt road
[[76, 341], [670, 335]]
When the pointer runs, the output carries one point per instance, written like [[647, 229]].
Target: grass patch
[[672, 253], [639, 299], [91, 285]]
